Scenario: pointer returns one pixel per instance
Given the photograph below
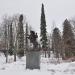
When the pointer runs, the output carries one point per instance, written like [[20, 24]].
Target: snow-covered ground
[[47, 67]]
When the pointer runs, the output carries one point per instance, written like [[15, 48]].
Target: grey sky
[[55, 10]]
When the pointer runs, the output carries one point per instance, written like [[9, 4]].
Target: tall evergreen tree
[[20, 37], [43, 28], [68, 38]]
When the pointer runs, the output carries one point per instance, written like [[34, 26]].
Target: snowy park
[[47, 66], [37, 37]]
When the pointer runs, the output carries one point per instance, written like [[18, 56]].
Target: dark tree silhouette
[[20, 37], [43, 29]]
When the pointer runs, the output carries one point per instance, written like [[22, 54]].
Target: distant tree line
[[62, 44]]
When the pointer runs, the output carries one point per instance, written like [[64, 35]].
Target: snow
[[47, 67]]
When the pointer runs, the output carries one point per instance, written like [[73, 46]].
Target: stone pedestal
[[32, 59]]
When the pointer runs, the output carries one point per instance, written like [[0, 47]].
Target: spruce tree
[[56, 42], [68, 38], [43, 29]]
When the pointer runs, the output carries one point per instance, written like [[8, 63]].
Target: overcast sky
[[55, 10]]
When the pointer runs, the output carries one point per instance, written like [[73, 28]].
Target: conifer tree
[[43, 29], [68, 38], [20, 37], [56, 42]]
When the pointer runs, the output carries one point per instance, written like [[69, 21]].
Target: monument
[[33, 55]]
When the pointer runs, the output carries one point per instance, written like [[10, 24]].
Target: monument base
[[32, 59]]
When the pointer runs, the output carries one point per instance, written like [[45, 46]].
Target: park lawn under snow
[[47, 68]]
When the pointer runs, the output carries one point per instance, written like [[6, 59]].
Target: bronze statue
[[33, 39]]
